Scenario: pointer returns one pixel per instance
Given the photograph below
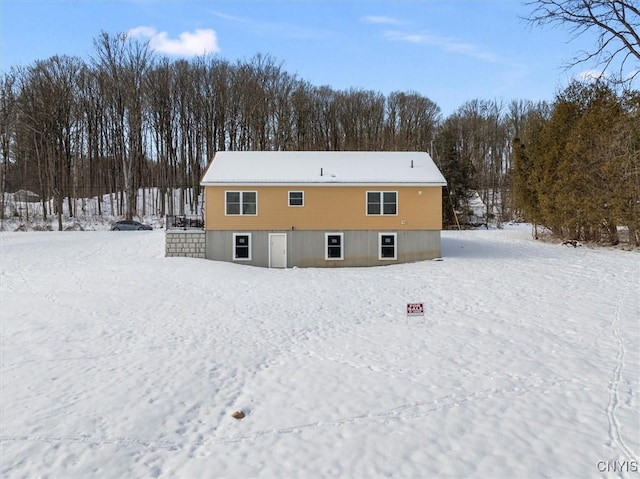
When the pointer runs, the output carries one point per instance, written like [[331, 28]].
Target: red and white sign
[[415, 309]]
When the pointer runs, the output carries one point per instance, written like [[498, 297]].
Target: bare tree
[[411, 121], [122, 64], [616, 23], [7, 125], [48, 124]]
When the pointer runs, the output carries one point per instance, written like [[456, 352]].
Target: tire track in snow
[[399, 413], [99, 441], [615, 435]]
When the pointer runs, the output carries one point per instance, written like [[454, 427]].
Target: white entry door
[[277, 250]]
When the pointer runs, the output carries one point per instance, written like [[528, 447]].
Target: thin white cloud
[[448, 44], [189, 44], [279, 29], [230, 17], [591, 75], [379, 20]]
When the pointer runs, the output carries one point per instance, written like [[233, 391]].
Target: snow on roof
[[341, 167]]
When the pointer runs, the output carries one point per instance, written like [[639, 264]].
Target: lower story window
[[241, 246], [333, 246], [387, 246]]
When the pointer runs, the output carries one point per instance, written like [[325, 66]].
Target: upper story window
[[382, 202], [296, 198], [241, 203]]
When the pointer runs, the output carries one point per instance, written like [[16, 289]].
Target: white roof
[[339, 167]]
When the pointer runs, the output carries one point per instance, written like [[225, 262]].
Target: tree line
[[127, 120], [578, 171]]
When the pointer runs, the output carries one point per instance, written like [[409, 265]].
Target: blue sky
[[450, 51]]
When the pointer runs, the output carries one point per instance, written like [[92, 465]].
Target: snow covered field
[[118, 362]]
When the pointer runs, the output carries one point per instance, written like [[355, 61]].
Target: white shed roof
[[339, 167]]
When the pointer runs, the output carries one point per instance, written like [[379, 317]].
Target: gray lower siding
[[307, 248]]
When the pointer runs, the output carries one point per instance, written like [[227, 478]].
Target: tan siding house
[[286, 209]]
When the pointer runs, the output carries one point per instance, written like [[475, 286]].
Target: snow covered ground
[[118, 362]]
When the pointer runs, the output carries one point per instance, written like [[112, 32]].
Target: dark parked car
[[129, 226]]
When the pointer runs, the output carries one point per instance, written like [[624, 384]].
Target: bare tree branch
[[616, 23]]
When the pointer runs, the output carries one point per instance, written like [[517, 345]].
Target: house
[[322, 209]]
